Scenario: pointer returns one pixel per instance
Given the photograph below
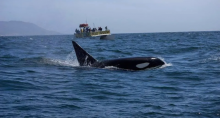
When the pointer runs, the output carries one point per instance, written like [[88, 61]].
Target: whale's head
[[155, 62]]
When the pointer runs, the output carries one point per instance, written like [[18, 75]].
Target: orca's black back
[[134, 63]]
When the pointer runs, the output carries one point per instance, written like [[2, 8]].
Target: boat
[[86, 32]]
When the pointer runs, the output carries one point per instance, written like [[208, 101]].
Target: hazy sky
[[121, 16]]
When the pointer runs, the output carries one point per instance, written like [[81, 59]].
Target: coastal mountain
[[20, 28]]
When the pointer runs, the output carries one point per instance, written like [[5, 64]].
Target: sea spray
[[71, 59]]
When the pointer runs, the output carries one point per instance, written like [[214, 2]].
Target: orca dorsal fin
[[84, 58]]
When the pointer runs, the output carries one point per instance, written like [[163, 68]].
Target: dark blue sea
[[40, 77]]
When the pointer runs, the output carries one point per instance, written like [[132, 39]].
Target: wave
[[215, 58], [8, 56]]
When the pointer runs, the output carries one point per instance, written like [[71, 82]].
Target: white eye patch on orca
[[142, 65]]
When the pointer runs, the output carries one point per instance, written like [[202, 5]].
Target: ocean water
[[40, 77]]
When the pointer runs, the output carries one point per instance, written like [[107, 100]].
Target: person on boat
[[77, 31], [100, 28], [93, 29], [106, 28], [87, 29]]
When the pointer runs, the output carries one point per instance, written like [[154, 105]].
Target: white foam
[[166, 64], [69, 61], [110, 67], [213, 58], [64, 62]]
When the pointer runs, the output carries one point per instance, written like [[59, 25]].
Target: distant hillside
[[19, 28]]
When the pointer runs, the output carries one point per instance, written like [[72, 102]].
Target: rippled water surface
[[40, 77]]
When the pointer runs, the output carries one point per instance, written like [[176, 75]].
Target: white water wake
[[166, 64], [70, 60]]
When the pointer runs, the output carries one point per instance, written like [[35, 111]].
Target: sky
[[121, 16]]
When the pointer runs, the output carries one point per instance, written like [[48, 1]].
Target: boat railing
[[90, 34], [100, 33]]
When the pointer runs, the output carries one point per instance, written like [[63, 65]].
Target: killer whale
[[134, 63]]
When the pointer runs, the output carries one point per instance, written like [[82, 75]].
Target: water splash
[[62, 62], [69, 61], [166, 64], [110, 67]]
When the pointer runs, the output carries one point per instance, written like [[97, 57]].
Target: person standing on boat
[[77, 31], [100, 28], [106, 28], [93, 29]]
